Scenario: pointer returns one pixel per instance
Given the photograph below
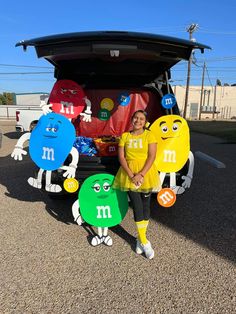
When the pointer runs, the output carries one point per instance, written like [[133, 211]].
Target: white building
[[29, 99], [26, 100], [224, 98]]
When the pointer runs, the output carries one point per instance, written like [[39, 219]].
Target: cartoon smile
[[165, 138], [50, 136], [103, 196]]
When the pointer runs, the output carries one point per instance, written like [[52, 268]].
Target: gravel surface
[[48, 265]]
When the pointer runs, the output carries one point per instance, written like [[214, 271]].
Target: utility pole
[[192, 28], [202, 91], [214, 103]]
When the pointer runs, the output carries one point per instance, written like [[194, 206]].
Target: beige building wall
[[225, 101], [30, 99]]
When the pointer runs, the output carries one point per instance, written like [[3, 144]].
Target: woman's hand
[[137, 179]]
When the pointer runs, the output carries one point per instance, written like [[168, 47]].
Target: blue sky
[[30, 19]]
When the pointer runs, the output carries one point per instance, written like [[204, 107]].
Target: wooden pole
[[202, 91], [214, 103]]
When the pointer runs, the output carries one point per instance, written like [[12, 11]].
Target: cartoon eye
[[106, 187], [55, 128], [96, 187], [175, 127], [164, 129], [73, 91], [49, 127], [63, 90]]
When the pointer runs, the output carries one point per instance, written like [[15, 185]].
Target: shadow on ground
[[13, 135], [60, 209], [205, 214]]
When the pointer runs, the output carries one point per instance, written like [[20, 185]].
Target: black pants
[[141, 205]]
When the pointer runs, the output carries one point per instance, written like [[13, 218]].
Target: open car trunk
[[112, 58], [111, 65]]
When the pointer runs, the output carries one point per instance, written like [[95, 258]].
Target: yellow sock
[[142, 229]]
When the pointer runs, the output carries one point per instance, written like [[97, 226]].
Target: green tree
[[218, 82], [3, 100], [9, 98]]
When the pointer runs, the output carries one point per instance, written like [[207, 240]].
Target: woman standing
[[138, 175]]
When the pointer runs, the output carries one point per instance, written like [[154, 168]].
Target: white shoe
[[96, 240], [79, 220], [139, 247], [107, 240], [35, 183], [54, 188], [148, 250]]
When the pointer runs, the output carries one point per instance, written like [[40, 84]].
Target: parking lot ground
[[48, 265]]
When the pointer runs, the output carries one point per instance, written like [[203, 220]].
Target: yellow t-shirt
[[136, 146]]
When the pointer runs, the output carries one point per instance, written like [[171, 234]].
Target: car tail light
[[17, 115]]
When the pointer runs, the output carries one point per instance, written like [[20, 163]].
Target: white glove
[[18, 152], [70, 171], [86, 117], [45, 107], [187, 181], [87, 113]]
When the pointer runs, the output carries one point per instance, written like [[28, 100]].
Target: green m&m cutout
[[100, 204], [104, 114]]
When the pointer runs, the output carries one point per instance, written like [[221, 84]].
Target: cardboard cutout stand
[[48, 149], [172, 134], [100, 205]]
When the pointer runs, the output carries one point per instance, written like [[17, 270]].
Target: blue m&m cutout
[[124, 99], [168, 101], [51, 141]]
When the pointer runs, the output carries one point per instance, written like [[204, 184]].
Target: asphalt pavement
[[48, 265]]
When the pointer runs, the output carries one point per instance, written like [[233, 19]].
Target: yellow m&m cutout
[[107, 103], [173, 142], [71, 185]]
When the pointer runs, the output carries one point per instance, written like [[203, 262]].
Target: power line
[[24, 73], [212, 67], [26, 80], [169, 29], [195, 78], [216, 59], [216, 32], [24, 66], [209, 68], [209, 77], [224, 58]]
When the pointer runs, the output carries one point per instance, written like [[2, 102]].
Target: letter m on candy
[[48, 153], [104, 212]]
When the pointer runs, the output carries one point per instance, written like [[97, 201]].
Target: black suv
[[114, 65]]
